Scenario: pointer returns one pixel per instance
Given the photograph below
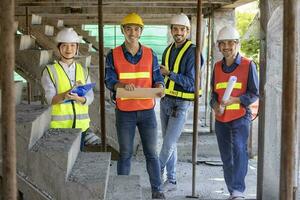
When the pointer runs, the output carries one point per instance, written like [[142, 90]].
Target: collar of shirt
[[132, 59], [229, 69], [66, 66]]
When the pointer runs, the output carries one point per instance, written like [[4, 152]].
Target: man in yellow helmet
[[129, 66], [68, 110]]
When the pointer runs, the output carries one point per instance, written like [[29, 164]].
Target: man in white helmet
[[178, 68], [233, 116], [68, 110]]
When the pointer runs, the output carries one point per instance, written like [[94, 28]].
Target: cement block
[[52, 158], [60, 23], [124, 187], [23, 42], [49, 30], [36, 19], [91, 170], [34, 60]]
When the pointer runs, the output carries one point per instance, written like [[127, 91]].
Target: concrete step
[[85, 48], [34, 60], [51, 159], [36, 19], [23, 42], [89, 177], [124, 187]]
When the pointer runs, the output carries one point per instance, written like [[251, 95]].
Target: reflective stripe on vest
[[140, 74], [234, 111], [170, 84], [68, 115]]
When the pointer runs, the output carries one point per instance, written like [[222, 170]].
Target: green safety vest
[[72, 114], [170, 84]]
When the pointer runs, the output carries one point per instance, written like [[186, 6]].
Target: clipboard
[[139, 93]]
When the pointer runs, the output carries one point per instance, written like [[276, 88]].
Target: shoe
[[169, 186], [158, 195], [91, 138], [236, 195]]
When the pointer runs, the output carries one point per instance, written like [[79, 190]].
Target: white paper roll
[[229, 88]]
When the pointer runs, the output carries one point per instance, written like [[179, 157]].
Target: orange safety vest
[[234, 111], [140, 74]]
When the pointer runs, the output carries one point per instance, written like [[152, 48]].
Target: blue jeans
[[173, 114], [126, 123], [232, 140]]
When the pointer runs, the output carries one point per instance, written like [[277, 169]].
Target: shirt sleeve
[[252, 92], [89, 95], [111, 77], [157, 77], [213, 95], [48, 86]]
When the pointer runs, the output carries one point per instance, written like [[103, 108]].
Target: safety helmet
[[181, 19], [67, 35], [228, 33], [132, 18]]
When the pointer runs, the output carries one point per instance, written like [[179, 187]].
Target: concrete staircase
[[50, 165]]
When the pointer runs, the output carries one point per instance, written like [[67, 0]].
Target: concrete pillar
[[270, 122]]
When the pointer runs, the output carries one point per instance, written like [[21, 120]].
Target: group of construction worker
[[133, 65]]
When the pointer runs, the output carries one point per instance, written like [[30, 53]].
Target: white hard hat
[[181, 19], [228, 33], [67, 35]]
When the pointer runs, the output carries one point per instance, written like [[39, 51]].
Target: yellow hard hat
[[132, 18]]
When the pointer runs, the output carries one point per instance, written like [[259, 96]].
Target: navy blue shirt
[[111, 77], [252, 91], [185, 78]]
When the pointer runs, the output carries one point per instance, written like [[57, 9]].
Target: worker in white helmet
[[233, 116], [129, 66], [68, 110], [178, 68]]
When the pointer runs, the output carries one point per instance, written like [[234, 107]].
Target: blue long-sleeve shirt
[[186, 75], [252, 91], [111, 77]]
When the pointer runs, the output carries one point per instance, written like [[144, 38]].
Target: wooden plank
[[139, 93]]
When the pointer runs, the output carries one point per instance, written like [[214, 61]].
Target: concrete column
[[270, 123]]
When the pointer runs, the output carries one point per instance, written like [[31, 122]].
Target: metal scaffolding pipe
[[101, 74], [196, 99], [207, 69], [7, 63], [289, 100]]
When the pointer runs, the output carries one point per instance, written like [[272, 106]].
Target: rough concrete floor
[[209, 180]]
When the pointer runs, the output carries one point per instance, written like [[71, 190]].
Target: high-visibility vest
[[72, 114], [140, 74], [172, 88], [233, 111]]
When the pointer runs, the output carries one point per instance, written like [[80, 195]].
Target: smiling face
[[229, 48], [132, 33], [179, 33], [68, 50]]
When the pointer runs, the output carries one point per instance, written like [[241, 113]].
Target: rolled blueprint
[[229, 88]]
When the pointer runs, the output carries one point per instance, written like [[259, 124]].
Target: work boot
[[158, 195], [170, 186]]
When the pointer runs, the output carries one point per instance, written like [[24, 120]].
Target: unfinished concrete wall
[[272, 25]]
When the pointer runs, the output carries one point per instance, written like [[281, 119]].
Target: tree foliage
[[249, 47]]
